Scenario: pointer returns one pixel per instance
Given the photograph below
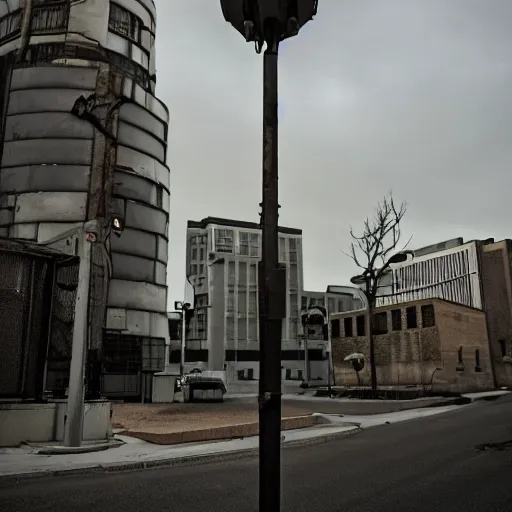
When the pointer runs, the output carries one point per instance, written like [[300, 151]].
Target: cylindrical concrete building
[[83, 137]]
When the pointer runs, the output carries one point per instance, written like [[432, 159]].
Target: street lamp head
[[358, 280], [400, 257], [268, 21]]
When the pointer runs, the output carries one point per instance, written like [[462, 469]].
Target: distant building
[[476, 274], [433, 343], [222, 267]]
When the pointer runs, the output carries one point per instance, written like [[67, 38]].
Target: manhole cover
[[505, 445]]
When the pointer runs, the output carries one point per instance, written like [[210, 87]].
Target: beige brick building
[[433, 343]]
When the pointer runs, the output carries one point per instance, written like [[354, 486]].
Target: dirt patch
[[218, 433], [181, 417]]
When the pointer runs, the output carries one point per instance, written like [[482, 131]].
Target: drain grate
[[505, 445]]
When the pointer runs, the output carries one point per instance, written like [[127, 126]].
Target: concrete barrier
[[44, 422]]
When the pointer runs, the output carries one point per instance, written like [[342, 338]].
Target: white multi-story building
[[222, 267]]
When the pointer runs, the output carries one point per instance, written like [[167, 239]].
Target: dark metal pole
[[270, 314], [373, 369]]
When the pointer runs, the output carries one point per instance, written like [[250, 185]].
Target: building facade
[[475, 274], [83, 137], [438, 345], [222, 267]]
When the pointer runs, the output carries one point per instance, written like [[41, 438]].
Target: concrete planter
[[44, 422]]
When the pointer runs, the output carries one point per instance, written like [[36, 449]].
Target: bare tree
[[373, 251]]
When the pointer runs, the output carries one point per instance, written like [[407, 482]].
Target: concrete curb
[[66, 450], [117, 467]]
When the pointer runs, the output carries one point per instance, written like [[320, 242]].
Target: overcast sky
[[408, 95]]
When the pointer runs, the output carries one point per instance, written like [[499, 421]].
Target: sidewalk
[[132, 453]]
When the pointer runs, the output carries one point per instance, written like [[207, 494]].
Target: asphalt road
[[423, 465]]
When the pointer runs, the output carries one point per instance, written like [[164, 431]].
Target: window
[[242, 329], [254, 245], [243, 244], [231, 272], [303, 303], [428, 318], [340, 305], [249, 244], [194, 253], [124, 22], [380, 323], [201, 253], [331, 305], [335, 328], [503, 348], [294, 305], [50, 17], [253, 303], [253, 329], [201, 324], [360, 325], [230, 328], [396, 319], [153, 354], [478, 368], [242, 274], [292, 246], [293, 329], [201, 269], [231, 300], [282, 249], [193, 270], [348, 325], [253, 275], [242, 302], [293, 276], [224, 240], [10, 24], [410, 314]]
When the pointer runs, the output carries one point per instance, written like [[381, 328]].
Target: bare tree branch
[[378, 240]]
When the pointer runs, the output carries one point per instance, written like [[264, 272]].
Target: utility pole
[[73, 425], [271, 314], [268, 22]]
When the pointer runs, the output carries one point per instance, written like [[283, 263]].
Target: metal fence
[[25, 294]]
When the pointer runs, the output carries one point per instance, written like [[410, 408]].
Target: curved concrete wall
[[49, 156]]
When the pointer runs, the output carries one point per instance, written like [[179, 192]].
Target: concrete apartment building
[[222, 268], [432, 343], [476, 274], [83, 137]]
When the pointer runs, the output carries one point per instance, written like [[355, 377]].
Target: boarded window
[[335, 328], [428, 318], [380, 323], [348, 325], [396, 319], [478, 367], [360, 325], [412, 320]]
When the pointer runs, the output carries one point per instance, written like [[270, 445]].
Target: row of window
[[249, 244], [45, 17], [380, 322]]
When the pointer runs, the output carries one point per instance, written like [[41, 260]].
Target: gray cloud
[[409, 95]]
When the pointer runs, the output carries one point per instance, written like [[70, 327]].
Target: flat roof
[[203, 224]]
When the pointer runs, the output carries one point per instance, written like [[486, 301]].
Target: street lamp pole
[[268, 22]]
